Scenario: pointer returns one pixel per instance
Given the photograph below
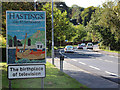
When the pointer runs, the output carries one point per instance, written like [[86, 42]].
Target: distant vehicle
[[68, 49], [80, 46], [89, 46]]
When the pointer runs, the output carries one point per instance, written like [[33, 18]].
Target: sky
[[85, 3]]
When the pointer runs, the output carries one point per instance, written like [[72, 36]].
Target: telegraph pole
[[52, 36]]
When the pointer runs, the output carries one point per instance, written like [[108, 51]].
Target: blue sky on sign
[[20, 29]]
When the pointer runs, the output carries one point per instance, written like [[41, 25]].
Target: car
[[89, 46], [81, 46], [68, 48]]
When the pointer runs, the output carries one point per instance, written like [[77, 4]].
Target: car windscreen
[[89, 44], [83, 44], [69, 47]]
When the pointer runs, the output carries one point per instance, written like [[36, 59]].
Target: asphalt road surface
[[96, 63]]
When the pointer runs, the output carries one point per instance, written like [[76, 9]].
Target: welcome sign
[[26, 37]]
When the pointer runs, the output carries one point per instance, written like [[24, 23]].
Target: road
[[103, 65]]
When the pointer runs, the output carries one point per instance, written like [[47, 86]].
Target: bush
[[102, 47], [2, 41]]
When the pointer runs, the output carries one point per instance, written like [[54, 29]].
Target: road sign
[[26, 71], [26, 37], [66, 40]]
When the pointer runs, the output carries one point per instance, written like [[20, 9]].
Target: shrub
[[2, 41]]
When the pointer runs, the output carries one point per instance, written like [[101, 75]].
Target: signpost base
[[9, 84], [42, 83]]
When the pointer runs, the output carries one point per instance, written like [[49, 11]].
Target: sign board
[[66, 40], [26, 37], [26, 71]]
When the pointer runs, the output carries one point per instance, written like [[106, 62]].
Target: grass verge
[[54, 79], [111, 51]]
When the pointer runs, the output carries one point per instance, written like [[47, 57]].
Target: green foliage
[[86, 14], [76, 12], [80, 34], [2, 41], [111, 19], [61, 23], [88, 37], [105, 25]]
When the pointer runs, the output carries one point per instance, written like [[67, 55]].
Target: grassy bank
[[54, 79], [111, 51]]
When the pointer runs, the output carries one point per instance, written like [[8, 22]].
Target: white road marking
[[99, 58], [73, 59], [82, 63], [111, 56], [108, 61], [116, 57], [105, 60], [111, 73], [94, 67], [99, 53]]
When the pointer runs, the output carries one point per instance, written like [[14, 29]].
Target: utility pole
[[52, 36]]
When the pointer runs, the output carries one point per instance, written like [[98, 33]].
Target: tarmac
[[86, 78]]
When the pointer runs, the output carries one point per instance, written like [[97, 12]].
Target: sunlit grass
[[111, 51]]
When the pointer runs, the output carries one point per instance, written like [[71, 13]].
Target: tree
[[61, 24], [105, 25], [112, 21], [80, 34], [86, 14]]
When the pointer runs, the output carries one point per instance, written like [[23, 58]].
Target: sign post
[[26, 44], [42, 83], [52, 36], [9, 84]]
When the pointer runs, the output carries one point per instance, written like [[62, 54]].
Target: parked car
[[89, 46], [80, 46], [68, 49]]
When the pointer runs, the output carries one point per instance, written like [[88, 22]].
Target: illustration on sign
[[26, 37]]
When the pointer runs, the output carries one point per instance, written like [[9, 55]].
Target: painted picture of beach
[[26, 39]]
